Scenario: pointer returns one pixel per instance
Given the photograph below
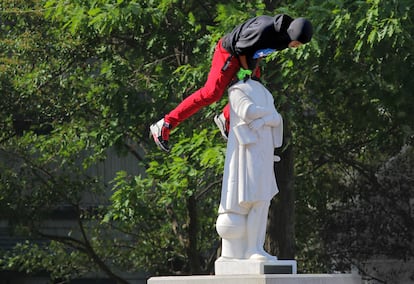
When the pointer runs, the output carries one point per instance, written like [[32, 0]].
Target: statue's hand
[[256, 124]]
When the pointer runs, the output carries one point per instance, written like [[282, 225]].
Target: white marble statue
[[249, 184]]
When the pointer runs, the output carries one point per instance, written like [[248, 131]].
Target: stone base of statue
[[260, 279], [244, 271], [225, 266]]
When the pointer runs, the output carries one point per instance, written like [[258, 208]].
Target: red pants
[[218, 80]]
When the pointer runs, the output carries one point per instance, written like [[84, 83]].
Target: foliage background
[[81, 77]]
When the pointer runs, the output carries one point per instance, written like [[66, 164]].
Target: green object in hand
[[243, 73]]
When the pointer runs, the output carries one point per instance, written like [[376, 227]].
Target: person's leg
[[221, 73], [223, 121], [226, 113], [212, 91]]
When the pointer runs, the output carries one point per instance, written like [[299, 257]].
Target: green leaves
[[81, 78], [349, 103], [183, 172]]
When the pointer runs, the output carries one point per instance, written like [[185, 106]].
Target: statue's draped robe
[[248, 171]]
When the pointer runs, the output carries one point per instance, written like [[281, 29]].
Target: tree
[[81, 81], [50, 119], [81, 77], [377, 217], [354, 108]]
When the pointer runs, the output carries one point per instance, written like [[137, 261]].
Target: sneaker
[[156, 130], [221, 124]]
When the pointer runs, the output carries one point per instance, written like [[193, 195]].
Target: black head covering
[[301, 30]]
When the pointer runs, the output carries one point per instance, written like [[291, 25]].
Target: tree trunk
[[280, 238], [271, 5], [192, 251]]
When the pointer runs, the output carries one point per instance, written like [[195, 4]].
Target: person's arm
[[243, 62]]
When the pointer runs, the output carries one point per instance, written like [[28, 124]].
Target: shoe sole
[[153, 133], [221, 127]]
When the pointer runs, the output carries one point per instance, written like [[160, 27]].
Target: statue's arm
[[272, 120], [245, 108], [254, 112]]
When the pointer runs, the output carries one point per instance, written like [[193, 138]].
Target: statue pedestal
[[244, 266], [260, 279], [255, 272]]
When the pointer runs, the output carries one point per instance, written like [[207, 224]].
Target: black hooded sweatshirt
[[258, 33]]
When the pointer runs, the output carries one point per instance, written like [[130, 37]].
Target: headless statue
[[249, 183]]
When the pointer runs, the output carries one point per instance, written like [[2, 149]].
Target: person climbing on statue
[[237, 51]]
